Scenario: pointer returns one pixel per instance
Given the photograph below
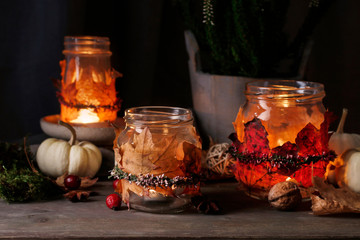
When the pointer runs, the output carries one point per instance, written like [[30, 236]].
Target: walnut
[[285, 196]]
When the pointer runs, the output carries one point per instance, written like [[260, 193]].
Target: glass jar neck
[[158, 116], [87, 45], [285, 90]]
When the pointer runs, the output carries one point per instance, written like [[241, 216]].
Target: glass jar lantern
[[279, 110], [88, 91], [157, 159]]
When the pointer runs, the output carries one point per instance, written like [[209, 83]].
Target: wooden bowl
[[101, 133]]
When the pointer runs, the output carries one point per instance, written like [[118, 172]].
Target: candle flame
[[86, 116]]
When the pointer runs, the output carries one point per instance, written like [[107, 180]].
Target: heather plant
[[248, 37]]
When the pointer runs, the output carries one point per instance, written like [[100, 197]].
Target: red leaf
[[312, 141], [308, 141], [239, 146], [256, 137], [286, 149], [329, 117], [257, 175], [303, 175]]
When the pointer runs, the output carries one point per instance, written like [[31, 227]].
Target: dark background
[[148, 47]]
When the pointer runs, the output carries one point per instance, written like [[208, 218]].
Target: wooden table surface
[[243, 218]]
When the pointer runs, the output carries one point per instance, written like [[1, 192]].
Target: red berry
[[115, 183], [72, 182], [113, 201]]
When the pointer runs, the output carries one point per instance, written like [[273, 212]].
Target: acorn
[[285, 196]]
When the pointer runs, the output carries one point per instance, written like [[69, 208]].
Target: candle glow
[[87, 88], [86, 116]]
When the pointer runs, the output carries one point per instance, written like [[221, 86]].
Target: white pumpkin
[[347, 170], [339, 141], [56, 157]]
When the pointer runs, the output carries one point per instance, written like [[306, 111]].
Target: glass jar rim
[[285, 89], [86, 40], [86, 45], [158, 116]]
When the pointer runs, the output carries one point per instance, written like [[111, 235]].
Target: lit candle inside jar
[[87, 89], [86, 116], [279, 135]]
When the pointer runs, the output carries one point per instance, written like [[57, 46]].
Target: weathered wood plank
[[243, 218]]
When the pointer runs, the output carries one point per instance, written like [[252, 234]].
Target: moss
[[18, 180]]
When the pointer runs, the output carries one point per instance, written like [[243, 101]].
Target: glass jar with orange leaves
[[157, 159], [87, 92], [281, 134]]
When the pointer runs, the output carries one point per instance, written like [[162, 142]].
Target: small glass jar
[[158, 159], [284, 108], [88, 91]]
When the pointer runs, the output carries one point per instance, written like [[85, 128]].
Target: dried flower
[[314, 3], [208, 13], [149, 180]]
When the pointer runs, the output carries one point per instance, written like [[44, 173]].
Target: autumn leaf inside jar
[[157, 159]]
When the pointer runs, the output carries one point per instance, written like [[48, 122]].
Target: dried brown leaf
[[188, 153], [87, 182], [179, 157], [189, 134], [60, 180], [322, 206], [166, 162], [138, 153], [343, 195], [128, 187], [77, 195], [334, 200]]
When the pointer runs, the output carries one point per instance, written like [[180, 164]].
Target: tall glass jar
[[274, 114], [157, 159], [88, 91]]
